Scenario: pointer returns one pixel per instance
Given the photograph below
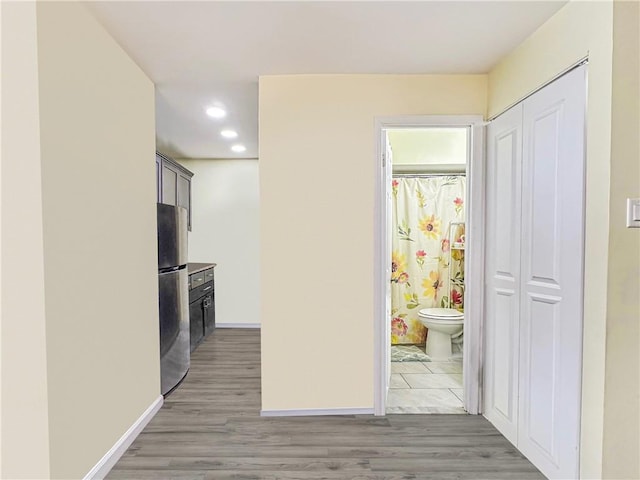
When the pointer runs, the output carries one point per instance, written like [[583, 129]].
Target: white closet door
[[502, 270], [552, 276]]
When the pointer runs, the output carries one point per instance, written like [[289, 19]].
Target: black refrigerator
[[173, 296]]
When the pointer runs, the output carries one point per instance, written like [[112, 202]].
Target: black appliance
[[173, 296]]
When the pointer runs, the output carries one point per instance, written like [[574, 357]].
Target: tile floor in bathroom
[[426, 387]]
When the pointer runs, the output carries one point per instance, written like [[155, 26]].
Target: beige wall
[[226, 231], [577, 30], [316, 215], [97, 224], [428, 146], [622, 380], [98, 184], [25, 430], [1, 56], [0, 247]]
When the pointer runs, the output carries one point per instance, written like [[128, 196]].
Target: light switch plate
[[633, 212]]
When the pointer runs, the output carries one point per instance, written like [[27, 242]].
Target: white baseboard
[[316, 411], [106, 463], [237, 325]]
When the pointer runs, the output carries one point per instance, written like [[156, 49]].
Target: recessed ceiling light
[[238, 148], [229, 133], [216, 112]]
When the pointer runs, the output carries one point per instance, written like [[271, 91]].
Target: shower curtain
[[423, 208]]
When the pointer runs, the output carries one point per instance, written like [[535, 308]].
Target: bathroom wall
[[429, 146], [317, 167]]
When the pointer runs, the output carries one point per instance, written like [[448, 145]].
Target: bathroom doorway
[[427, 348]]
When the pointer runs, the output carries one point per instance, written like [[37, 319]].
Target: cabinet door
[[183, 195], [196, 320], [174, 184], [210, 314], [169, 184]]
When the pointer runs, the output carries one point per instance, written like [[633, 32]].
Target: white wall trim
[[474, 290], [106, 463], [237, 325], [473, 317], [303, 412], [423, 121], [379, 272]]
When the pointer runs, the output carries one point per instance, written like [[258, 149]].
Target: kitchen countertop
[[198, 267]]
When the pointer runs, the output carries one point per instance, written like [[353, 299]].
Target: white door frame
[[474, 267]]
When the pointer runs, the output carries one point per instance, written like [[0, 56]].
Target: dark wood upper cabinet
[[173, 183]]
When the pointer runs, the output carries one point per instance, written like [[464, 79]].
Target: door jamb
[[474, 307]]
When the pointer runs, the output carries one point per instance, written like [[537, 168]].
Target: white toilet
[[443, 324]]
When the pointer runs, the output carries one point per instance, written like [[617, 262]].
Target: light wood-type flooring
[[210, 429]]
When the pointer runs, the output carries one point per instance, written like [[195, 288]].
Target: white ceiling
[[201, 53]]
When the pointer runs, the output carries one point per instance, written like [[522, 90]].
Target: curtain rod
[[426, 175], [430, 169]]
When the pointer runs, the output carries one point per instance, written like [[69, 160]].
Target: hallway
[[210, 429]]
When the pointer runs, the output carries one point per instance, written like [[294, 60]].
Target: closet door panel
[[506, 181], [504, 358], [543, 204], [542, 370], [551, 281], [502, 274]]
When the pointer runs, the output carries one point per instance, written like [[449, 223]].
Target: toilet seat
[[441, 314]]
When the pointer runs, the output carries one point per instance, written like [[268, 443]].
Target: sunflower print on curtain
[[423, 208]]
